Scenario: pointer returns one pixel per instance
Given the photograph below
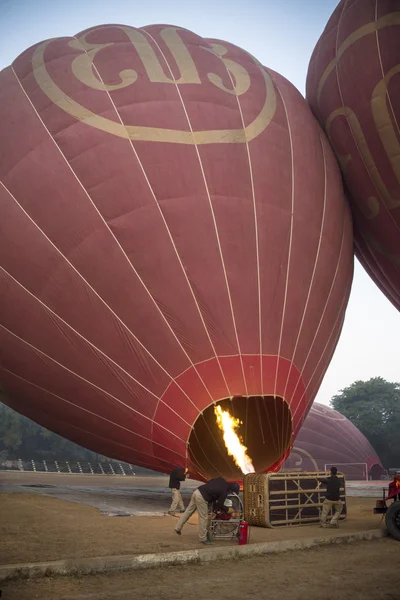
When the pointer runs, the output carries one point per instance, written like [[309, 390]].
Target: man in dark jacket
[[215, 492], [177, 475], [332, 499]]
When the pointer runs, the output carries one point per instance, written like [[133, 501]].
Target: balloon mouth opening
[[265, 430]]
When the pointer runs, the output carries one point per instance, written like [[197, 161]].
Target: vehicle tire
[[393, 520]]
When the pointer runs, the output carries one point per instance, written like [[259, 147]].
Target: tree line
[[372, 406]]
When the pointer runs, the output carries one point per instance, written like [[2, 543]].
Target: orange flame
[[235, 448]]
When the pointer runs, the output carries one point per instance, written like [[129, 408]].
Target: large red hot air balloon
[[173, 234], [353, 87]]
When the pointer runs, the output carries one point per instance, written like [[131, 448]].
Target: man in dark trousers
[[215, 491], [332, 499], [177, 475]]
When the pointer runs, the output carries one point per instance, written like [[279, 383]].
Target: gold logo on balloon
[[382, 118], [85, 71]]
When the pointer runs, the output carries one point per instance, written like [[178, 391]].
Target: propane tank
[[243, 532]]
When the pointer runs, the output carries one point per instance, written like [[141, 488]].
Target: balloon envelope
[[173, 234], [353, 87], [327, 438]]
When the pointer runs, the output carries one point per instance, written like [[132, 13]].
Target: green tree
[[373, 406]]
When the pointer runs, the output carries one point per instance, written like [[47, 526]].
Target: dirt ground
[[360, 571], [37, 528]]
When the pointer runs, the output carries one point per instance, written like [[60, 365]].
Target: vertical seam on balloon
[[210, 204], [316, 258], [173, 245], [107, 227], [94, 291], [90, 382], [335, 330], [257, 258], [341, 314], [323, 312], [257, 251], [290, 245], [84, 409], [47, 308], [313, 273], [253, 193]]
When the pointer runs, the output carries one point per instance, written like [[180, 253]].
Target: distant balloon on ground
[[327, 438], [174, 234], [353, 87]]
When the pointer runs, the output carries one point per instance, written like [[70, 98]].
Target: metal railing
[[71, 467]]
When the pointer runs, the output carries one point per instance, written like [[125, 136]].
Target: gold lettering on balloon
[[385, 21], [370, 208], [387, 133], [82, 66], [241, 78], [188, 75], [151, 63]]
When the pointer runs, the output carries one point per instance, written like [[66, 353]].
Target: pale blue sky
[[282, 35]]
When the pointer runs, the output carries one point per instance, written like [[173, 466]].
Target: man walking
[[332, 499], [215, 491], [175, 478]]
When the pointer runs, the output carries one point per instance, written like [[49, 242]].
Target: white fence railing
[[71, 467]]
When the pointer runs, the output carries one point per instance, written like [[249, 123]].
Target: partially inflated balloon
[[327, 438], [173, 234], [353, 87]]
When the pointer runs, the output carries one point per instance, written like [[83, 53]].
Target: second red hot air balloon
[[173, 234], [353, 87]]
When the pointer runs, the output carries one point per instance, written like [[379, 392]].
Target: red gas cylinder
[[243, 532]]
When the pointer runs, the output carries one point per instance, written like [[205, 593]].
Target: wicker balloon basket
[[292, 498]]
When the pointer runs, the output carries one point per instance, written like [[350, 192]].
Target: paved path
[[111, 494]]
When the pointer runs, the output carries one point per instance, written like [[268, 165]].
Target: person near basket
[[177, 475], [332, 499], [215, 492]]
